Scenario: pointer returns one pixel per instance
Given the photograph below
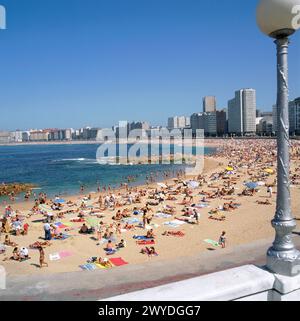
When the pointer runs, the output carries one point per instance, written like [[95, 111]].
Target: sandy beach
[[236, 162]]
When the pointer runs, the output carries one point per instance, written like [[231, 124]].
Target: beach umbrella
[[251, 185], [269, 171], [229, 168], [193, 184]]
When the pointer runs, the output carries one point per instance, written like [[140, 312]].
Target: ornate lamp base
[[284, 262]]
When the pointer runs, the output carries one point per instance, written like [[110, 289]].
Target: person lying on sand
[[215, 214], [129, 227], [150, 251], [173, 233], [266, 202], [8, 242], [171, 198], [104, 262], [37, 244]]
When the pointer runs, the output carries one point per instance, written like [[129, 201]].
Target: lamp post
[[276, 18]]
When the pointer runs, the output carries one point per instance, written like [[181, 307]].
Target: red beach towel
[[145, 242], [118, 261]]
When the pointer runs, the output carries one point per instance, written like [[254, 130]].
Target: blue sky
[[73, 63]]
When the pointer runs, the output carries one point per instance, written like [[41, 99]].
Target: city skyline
[[130, 59]]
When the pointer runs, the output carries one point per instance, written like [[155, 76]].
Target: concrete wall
[[245, 283]]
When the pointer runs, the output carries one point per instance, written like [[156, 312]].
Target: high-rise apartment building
[[242, 112], [209, 104], [178, 122], [221, 117]]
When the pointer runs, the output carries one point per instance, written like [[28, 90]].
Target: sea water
[[62, 169]]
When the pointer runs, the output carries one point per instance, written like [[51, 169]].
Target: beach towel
[[131, 220], [145, 242], [92, 221], [175, 223], [201, 205], [162, 215], [88, 267], [111, 252], [67, 224], [178, 222], [141, 237], [59, 255], [100, 266], [64, 254], [64, 237], [212, 242], [118, 261], [54, 257], [170, 224], [60, 225]]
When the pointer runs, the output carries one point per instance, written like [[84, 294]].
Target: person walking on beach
[[47, 229], [196, 216], [222, 240], [270, 191], [42, 257]]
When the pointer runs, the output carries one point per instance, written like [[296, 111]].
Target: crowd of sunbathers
[[135, 208]]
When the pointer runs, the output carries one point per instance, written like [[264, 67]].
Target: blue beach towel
[[64, 237], [142, 237], [88, 267], [131, 220]]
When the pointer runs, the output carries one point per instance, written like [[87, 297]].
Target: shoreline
[[26, 205], [207, 142]]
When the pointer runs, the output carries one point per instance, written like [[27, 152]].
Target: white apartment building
[[178, 122], [242, 112]]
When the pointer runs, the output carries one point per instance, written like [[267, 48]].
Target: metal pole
[[282, 257]]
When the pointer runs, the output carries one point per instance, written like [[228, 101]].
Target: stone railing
[[245, 283]]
